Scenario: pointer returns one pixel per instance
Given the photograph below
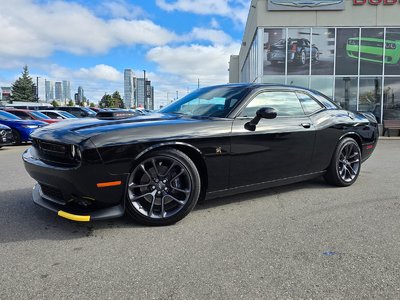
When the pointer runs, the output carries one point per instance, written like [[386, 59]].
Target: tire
[[345, 165], [17, 137], [302, 58], [316, 58], [163, 187]]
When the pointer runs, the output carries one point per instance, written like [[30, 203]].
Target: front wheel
[[17, 137], [163, 188], [345, 165]]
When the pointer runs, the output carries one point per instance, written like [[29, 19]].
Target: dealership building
[[347, 49]]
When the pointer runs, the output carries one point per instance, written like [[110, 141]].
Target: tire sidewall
[[194, 177], [342, 144]]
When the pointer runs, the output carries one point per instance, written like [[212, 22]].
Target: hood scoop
[[115, 114]]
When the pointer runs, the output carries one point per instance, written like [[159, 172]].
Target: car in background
[[298, 51], [21, 129], [79, 112], [58, 114], [371, 48], [6, 136], [25, 114]]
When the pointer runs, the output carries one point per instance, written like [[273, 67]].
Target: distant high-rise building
[[66, 90], [58, 91], [81, 95], [144, 99], [49, 90], [129, 88]]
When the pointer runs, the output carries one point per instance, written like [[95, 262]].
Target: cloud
[[234, 9], [37, 30], [212, 35], [120, 9], [190, 62]]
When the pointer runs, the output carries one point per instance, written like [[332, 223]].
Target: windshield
[[216, 101], [67, 115], [89, 111], [7, 116], [39, 115]]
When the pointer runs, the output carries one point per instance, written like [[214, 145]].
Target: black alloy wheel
[[346, 163], [163, 188]]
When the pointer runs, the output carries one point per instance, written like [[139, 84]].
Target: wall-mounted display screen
[[323, 43], [274, 51], [347, 40]]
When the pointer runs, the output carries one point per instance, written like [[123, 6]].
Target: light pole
[[37, 88], [144, 90]]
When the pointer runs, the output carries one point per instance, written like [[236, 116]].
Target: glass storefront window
[[346, 92], [370, 95], [274, 79], [392, 51], [371, 51], [301, 81], [323, 84], [274, 51], [391, 99], [323, 51], [347, 40], [298, 51]]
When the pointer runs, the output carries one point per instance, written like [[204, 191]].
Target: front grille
[[372, 44], [54, 152], [52, 194], [372, 56]]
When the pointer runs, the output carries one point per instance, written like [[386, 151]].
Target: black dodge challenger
[[216, 141]]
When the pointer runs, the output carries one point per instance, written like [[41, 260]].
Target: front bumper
[[76, 193], [106, 213]]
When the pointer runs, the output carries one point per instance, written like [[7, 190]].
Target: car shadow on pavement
[[317, 183], [21, 219]]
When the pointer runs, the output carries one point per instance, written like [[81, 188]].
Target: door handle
[[306, 125]]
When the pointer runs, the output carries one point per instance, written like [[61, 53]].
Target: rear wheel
[[345, 165], [17, 137], [163, 188]]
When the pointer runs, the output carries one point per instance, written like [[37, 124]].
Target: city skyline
[[177, 42]]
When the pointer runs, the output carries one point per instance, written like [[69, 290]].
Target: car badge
[[218, 150]]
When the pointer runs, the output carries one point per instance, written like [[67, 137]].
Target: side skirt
[[262, 185]]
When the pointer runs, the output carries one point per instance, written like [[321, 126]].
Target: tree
[[70, 103], [106, 101], [54, 103], [117, 100], [92, 104], [23, 89]]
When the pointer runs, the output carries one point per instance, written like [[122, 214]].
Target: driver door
[[278, 148]]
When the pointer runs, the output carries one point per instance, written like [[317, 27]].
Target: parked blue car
[[21, 129]]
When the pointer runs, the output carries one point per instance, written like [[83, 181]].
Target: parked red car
[[25, 114]]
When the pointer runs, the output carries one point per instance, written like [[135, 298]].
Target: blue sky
[[90, 43]]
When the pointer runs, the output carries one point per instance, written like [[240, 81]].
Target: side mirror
[[262, 113]]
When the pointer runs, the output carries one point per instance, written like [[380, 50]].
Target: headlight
[[30, 126], [76, 153], [390, 46], [352, 42]]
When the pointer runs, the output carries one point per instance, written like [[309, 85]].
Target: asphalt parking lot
[[306, 240]]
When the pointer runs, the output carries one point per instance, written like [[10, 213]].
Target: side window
[[309, 104], [52, 115], [22, 115], [286, 103]]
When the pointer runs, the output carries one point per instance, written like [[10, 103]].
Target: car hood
[[131, 130], [25, 122], [4, 127]]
